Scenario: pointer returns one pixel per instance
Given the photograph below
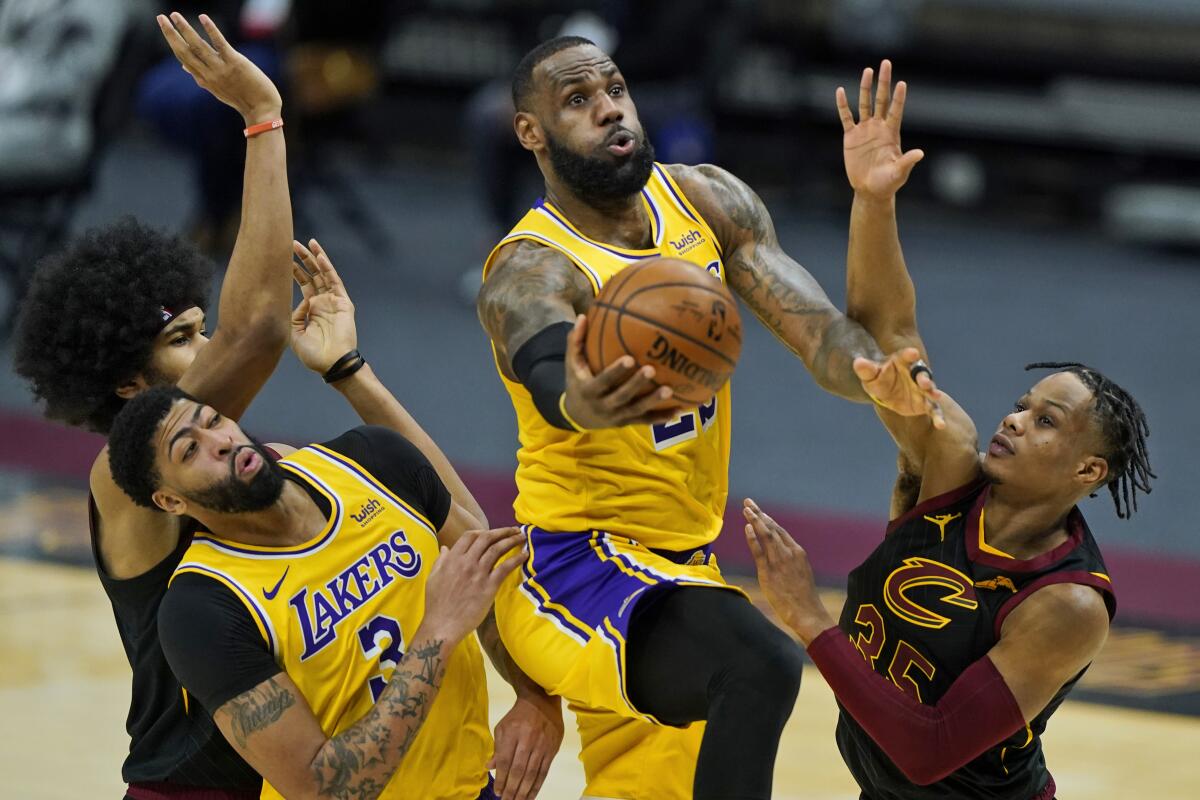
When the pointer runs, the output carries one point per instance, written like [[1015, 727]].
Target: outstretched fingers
[[883, 92], [325, 267], [896, 111], [844, 113], [217, 39], [202, 50], [864, 94]]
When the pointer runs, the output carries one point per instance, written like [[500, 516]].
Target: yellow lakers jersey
[[336, 611], [663, 485]]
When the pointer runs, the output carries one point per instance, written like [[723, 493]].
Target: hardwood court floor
[[64, 691]]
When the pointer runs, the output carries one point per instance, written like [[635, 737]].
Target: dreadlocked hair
[[1124, 429]]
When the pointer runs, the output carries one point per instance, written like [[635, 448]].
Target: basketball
[[674, 316]]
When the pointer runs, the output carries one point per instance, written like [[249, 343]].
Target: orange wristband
[[262, 127]]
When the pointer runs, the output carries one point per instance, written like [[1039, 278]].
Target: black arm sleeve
[[539, 366], [211, 642], [400, 466]]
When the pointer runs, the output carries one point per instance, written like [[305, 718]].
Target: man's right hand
[[621, 394], [224, 72], [464, 581]]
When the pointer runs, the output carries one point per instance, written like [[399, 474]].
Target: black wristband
[[538, 365], [344, 367]]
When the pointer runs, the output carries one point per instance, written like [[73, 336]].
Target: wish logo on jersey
[[320, 610], [688, 242]]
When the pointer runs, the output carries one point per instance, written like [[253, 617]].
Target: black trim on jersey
[[208, 634], [211, 641], [400, 466]]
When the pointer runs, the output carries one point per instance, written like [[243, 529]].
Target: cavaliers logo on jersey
[[917, 572]]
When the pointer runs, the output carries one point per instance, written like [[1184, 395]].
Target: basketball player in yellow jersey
[[396, 490], [619, 606], [313, 615]]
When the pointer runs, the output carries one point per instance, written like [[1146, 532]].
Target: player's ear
[[1092, 472], [170, 502], [529, 131], [132, 387]]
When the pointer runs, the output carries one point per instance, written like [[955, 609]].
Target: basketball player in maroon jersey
[[988, 598]]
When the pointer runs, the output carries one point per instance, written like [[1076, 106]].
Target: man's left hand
[[875, 164], [527, 739]]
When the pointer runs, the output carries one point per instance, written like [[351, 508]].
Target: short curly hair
[[90, 318], [131, 442]]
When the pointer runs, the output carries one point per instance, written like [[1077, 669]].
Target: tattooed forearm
[[256, 709], [357, 763], [529, 288], [780, 292]]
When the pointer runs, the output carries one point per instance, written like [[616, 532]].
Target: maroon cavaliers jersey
[[928, 603]]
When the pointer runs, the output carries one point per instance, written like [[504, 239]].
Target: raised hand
[[323, 328], [224, 72], [875, 164], [621, 394], [464, 581], [901, 385], [784, 574]]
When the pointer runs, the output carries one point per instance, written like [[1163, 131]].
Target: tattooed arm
[[530, 288], [274, 729], [780, 292]]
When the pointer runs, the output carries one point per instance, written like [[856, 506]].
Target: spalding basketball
[[674, 316]]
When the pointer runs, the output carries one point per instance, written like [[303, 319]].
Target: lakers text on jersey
[[336, 611]]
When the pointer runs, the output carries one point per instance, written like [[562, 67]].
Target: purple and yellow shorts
[[564, 617]]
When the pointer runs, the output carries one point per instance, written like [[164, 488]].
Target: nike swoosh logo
[[275, 589]]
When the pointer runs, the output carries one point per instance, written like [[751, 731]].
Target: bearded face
[[231, 495], [601, 179]]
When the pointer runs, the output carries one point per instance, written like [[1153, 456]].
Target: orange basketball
[[674, 316]]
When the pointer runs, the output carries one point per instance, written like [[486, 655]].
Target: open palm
[[875, 164]]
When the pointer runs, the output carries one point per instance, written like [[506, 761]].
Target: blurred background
[[1056, 217]]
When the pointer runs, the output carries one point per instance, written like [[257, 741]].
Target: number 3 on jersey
[[382, 638], [685, 427]]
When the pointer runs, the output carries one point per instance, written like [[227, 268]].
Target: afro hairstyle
[[89, 321], [131, 442]]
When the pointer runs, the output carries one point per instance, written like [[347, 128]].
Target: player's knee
[[769, 670], [777, 669]]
